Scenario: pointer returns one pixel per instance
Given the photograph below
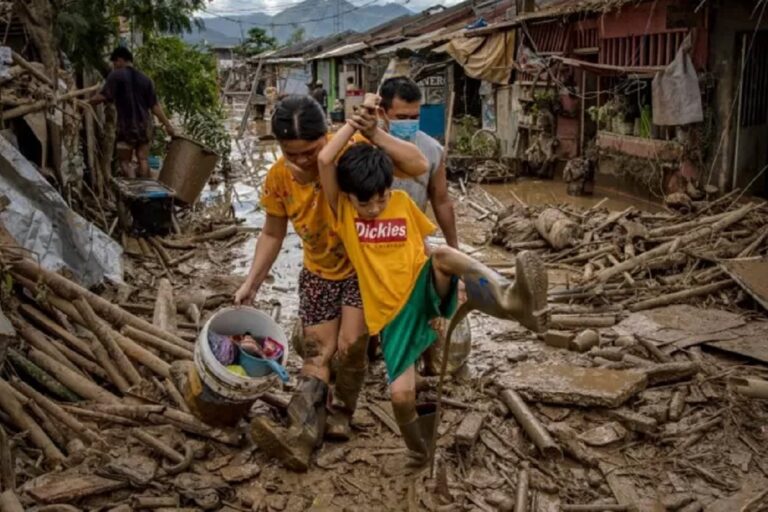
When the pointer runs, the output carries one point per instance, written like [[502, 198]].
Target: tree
[[297, 36], [257, 42]]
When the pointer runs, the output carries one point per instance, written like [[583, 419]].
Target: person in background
[[321, 95], [400, 109], [135, 100]]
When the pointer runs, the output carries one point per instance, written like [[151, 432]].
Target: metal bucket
[[215, 394], [187, 167]]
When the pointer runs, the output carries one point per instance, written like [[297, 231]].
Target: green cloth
[[410, 333]]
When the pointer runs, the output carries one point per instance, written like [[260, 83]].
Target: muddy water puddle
[[541, 192]]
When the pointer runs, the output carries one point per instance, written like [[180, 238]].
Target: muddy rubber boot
[[294, 445], [350, 377], [524, 299], [346, 392], [427, 419], [418, 449]]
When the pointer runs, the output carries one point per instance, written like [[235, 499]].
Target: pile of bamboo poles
[[81, 363]]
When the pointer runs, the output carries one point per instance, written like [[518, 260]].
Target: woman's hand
[[246, 293]]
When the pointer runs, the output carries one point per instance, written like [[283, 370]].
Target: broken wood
[[55, 329], [71, 488], [58, 413], [9, 502], [72, 380], [113, 373], [175, 395], [141, 355], [672, 298], [164, 315], [565, 322], [469, 430], [43, 378], [557, 229], [106, 336], [7, 462], [628, 265], [172, 349], [750, 387], [670, 372], [532, 426], [158, 446], [24, 421], [523, 478]]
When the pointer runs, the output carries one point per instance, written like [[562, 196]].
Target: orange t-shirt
[[387, 252], [308, 210]]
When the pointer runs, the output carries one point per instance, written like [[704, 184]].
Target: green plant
[[465, 128]]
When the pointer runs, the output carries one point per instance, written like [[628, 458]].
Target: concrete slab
[[574, 385], [752, 276]]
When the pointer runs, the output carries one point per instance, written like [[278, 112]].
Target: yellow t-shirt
[[308, 210], [387, 252]]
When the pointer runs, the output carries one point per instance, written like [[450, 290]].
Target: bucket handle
[[278, 369]]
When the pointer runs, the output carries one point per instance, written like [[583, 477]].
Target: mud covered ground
[[685, 443]]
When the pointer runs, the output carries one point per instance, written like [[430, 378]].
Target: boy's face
[[374, 207]]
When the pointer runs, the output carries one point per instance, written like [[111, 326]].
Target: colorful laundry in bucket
[[223, 347], [266, 348], [237, 370]]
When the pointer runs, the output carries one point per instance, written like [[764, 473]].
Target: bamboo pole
[[157, 343], [142, 355], [530, 423], [107, 337], [72, 291], [23, 421], [72, 380], [7, 463], [42, 377], [54, 329], [9, 502], [57, 412]]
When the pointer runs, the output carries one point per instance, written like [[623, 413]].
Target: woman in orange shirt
[[330, 306]]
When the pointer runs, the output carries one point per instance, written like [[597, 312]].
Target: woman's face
[[303, 153]]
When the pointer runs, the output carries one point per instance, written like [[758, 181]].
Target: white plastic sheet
[[39, 220]]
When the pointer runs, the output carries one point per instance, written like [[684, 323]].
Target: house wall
[[736, 164], [507, 113]]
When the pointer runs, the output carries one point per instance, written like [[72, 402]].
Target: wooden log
[[142, 355], [72, 291], [154, 502], [175, 262], [670, 372], [71, 488], [684, 241], [192, 425], [54, 431], [37, 339], [753, 388], [654, 350], [557, 229], [58, 413], [164, 256], [158, 446], [677, 405], [219, 234], [682, 227], [43, 378], [113, 373], [565, 322], [165, 307], [101, 416], [153, 341], [9, 502], [7, 463], [684, 295], [532, 426], [23, 421], [106, 337], [72, 380], [54, 329], [523, 482], [175, 395]]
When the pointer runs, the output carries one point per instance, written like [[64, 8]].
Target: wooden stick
[[7, 463], [54, 431], [9, 502], [176, 395], [671, 298], [23, 421], [31, 69], [157, 343], [142, 355], [532, 426], [72, 291], [40, 376], [54, 329], [101, 416], [158, 446], [219, 234], [37, 339], [107, 337], [113, 373], [58, 412], [191, 424], [521, 503], [730, 219], [164, 256], [164, 315], [72, 380]]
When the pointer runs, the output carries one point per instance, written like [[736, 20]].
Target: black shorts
[[321, 300]]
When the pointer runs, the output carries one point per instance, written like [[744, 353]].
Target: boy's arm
[[405, 155], [326, 161]]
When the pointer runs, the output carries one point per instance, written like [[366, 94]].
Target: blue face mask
[[404, 129]]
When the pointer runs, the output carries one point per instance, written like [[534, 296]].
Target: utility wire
[[293, 23]]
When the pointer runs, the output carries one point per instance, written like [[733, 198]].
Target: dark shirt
[[133, 94], [320, 96]]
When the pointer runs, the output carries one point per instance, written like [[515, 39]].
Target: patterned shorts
[[321, 300]]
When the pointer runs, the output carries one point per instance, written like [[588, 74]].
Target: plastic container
[[259, 367], [187, 167], [144, 207], [215, 394]]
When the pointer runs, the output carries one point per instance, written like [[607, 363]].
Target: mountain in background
[[315, 16]]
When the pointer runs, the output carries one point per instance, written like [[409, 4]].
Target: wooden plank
[[70, 488]]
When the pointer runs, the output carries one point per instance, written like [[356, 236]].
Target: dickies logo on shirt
[[383, 231]]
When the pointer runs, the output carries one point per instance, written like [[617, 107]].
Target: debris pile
[[637, 260]]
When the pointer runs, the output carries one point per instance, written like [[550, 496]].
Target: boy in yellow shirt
[[403, 283]]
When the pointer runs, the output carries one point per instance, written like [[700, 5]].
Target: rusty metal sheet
[[752, 276]]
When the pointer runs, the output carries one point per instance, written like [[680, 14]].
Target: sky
[[235, 7]]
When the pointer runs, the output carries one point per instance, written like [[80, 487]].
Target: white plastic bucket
[[231, 321]]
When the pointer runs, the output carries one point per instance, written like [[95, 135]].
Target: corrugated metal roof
[[341, 51], [415, 44]]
